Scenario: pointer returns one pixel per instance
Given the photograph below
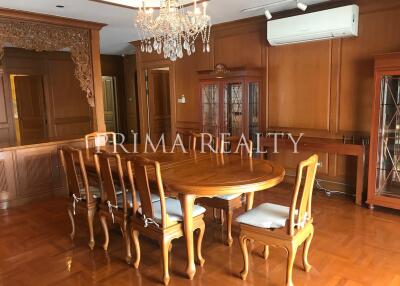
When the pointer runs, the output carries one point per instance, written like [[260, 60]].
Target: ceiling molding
[[136, 8], [49, 19]]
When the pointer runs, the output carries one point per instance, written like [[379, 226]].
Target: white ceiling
[[120, 29]]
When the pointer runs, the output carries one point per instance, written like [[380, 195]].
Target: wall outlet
[[319, 164]]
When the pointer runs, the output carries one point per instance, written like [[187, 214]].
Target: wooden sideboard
[[31, 172], [331, 146]]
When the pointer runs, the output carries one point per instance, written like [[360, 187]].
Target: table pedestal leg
[[187, 203]]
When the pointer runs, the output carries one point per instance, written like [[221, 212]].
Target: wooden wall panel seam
[[329, 86], [337, 113]]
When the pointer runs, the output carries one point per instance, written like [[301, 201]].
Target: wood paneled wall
[[322, 88], [295, 87], [8, 190], [69, 110], [32, 172], [68, 114], [333, 78]]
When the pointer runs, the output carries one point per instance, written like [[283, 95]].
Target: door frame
[[115, 100], [143, 98]]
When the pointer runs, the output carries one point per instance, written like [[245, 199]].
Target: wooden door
[[110, 103], [159, 105], [30, 109]]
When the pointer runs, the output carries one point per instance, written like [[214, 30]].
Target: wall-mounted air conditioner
[[333, 23]]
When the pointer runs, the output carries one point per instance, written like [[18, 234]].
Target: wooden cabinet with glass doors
[[231, 101], [384, 161]]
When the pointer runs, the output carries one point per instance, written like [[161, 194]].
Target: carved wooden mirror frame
[[47, 37]]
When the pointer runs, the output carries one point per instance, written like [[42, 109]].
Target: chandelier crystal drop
[[174, 30]]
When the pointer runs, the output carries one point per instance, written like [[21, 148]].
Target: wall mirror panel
[[44, 99], [50, 95]]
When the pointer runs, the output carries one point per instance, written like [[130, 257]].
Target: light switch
[[182, 99]]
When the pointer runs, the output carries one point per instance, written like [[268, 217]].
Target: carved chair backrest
[[105, 163], [100, 138], [235, 147], [195, 141], [139, 169], [75, 172], [300, 210]]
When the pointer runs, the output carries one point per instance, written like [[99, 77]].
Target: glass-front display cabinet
[[231, 101], [384, 163]]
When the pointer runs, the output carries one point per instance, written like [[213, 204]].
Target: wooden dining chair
[[281, 226], [161, 220], [84, 198], [195, 138], [116, 202], [228, 203], [100, 139], [231, 145]]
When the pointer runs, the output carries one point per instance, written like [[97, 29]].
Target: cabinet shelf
[[384, 162], [231, 101]]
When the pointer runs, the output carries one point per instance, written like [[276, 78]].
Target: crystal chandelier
[[174, 29]]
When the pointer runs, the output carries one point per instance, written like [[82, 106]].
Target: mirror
[[43, 99]]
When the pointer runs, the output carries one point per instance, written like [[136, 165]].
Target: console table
[[325, 145]]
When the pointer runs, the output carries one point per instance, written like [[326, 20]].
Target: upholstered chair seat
[[229, 197], [96, 192], [154, 198], [266, 216], [117, 203], [174, 210]]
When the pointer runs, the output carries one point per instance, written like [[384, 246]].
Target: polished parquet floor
[[351, 246]]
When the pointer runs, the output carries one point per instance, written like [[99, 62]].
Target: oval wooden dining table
[[190, 175]]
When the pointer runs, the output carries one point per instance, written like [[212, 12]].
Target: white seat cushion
[[96, 193], [154, 198], [118, 190], [266, 216], [128, 199], [174, 210], [229, 197]]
